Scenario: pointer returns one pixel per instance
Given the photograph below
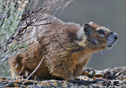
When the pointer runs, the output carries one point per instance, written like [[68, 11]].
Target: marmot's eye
[[101, 31]]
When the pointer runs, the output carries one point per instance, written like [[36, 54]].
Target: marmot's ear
[[87, 29]]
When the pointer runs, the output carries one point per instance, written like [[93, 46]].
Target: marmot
[[64, 47]]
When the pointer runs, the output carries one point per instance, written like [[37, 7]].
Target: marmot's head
[[98, 37]]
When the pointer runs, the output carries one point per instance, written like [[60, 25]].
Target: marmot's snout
[[112, 38]]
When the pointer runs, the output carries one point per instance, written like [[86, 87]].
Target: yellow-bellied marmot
[[64, 47]]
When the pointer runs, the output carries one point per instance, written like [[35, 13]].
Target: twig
[[36, 68]]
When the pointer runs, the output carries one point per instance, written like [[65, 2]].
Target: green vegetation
[[10, 16], [4, 70]]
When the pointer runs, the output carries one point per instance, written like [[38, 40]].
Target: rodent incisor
[[64, 47]]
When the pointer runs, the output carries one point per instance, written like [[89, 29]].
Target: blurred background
[[110, 13]]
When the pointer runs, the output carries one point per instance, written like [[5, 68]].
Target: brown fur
[[65, 53]]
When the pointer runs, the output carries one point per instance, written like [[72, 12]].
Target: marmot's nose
[[112, 38], [114, 34], [116, 37]]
